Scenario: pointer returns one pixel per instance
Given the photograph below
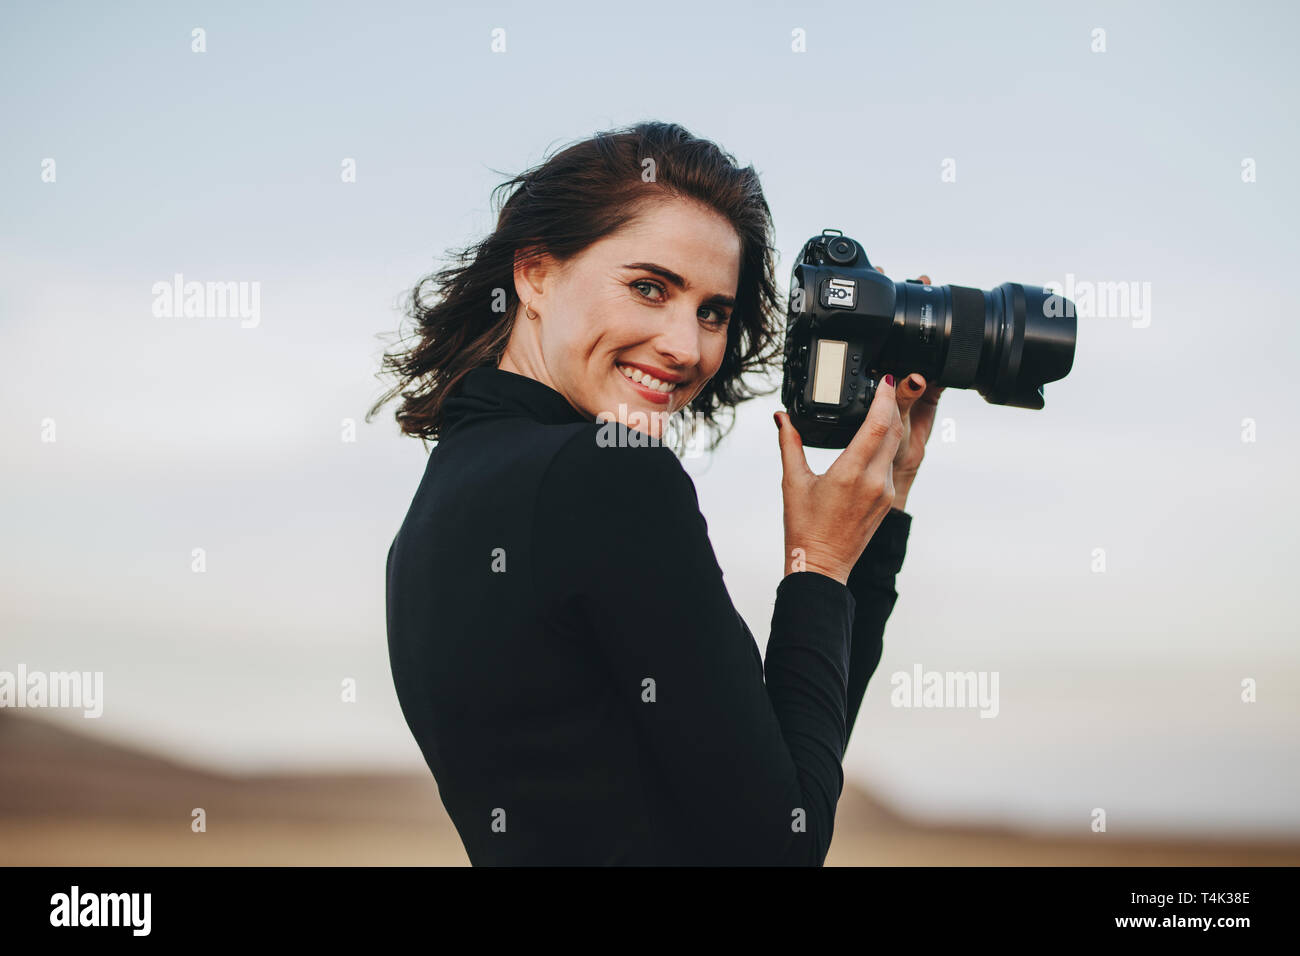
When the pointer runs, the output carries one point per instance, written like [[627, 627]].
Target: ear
[[534, 269]]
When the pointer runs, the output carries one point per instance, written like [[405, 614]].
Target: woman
[[562, 643]]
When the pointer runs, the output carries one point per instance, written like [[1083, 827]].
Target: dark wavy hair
[[464, 313]]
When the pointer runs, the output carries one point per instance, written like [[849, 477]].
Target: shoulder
[[612, 463], [605, 489], [611, 506]]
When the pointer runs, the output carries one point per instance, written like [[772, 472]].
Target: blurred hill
[[68, 799]]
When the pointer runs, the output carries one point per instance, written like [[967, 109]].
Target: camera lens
[[1006, 342], [841, 251]]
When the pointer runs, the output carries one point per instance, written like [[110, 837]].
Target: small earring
[[528, 310]]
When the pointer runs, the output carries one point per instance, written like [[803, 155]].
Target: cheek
[[573, 332], [716, 351], [611, 324]]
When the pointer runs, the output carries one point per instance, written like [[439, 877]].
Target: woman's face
[[633, 327]]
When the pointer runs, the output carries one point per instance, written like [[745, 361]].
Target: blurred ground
[[67, 800]]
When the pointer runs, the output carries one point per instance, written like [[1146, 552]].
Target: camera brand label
[[841, 293], [927, 323]]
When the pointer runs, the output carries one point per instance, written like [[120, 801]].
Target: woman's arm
[[754, 765], [872, 584], [872, 579]]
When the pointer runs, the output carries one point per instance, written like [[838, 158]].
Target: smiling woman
[[627, 336], [584, 238], [562, 643]]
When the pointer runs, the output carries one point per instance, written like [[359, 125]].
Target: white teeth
[[649, 381]]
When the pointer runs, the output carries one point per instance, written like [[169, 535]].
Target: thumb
[[793, 462]]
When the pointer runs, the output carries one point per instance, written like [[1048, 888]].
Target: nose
[[679, 339]]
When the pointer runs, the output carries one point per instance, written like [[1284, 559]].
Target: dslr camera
[[849, 325]]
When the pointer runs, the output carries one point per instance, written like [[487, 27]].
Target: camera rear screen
[[828, 382]]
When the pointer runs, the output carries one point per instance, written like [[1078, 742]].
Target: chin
[[630, 404], [648, 418]]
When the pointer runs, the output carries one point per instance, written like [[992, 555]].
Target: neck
[[524, 358]]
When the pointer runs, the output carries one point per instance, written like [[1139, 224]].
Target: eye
[[653, 285], [719, 320]]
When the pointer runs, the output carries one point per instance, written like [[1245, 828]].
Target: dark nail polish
[[889, 380], [776, 417], [913, 385]]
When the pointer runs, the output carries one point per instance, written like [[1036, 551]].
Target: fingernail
[[776, 417], [889, 380], [913, 384]]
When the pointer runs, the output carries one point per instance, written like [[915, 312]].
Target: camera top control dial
[[840, 250]]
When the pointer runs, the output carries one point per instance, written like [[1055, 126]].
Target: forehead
[[696, 242]]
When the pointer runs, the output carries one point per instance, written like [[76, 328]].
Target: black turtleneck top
[[567, 656]]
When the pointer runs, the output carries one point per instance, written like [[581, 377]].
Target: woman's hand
[[917, 404], [830, 518]]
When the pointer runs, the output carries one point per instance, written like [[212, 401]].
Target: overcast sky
[[1119, 689]]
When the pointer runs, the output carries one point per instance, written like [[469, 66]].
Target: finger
[[880, 432], [794, 464], [924, 413], [923, 279], [910, 391]]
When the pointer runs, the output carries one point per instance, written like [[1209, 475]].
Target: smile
[[646, 381]]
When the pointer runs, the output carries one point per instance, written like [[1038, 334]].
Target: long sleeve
[[872, 584], [753, 765]]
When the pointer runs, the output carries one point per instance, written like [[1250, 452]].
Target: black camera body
[[849, 325]]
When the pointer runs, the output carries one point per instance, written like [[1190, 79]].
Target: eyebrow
[[675, 279]]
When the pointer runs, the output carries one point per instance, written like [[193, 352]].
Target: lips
[[647, 386], [641, 376]]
